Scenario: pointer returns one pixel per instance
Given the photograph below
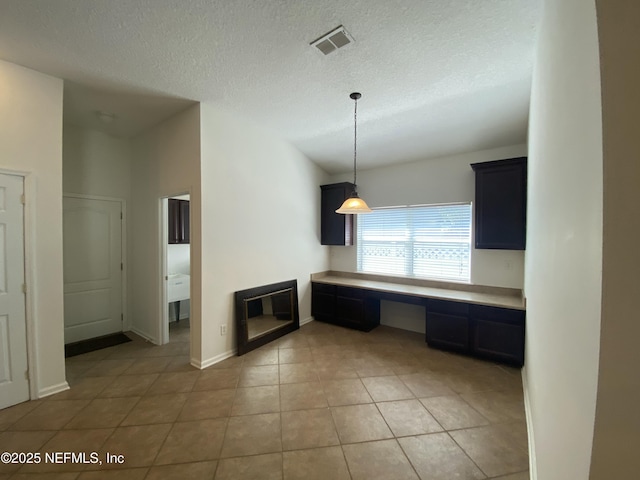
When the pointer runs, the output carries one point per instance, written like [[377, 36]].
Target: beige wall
[[166, 162], [616, 441], [564, 243], [31, 142], [97, 164], [260, 220], [438, 180]]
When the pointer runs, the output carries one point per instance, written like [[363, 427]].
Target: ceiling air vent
[[333, 40]]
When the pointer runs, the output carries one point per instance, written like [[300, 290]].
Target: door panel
[[92, 268], [14, 386]]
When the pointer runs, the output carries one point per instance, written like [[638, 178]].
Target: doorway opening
[[176, 268]]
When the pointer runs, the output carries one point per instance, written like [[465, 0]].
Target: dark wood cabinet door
[[448, 331], [184, 221], [174, 221], [498, 334], [499, 341], [345, 306], [179, 221], [501, 204], [448, 325], [350, 307], [323, 301], [350, 310], [335, 228]]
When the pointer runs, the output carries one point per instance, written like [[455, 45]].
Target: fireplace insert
[[265, 313]]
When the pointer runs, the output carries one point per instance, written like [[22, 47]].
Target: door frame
[[163, 326], [29, 245], [123, 248]]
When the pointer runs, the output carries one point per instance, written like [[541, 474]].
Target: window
[[428, 241]]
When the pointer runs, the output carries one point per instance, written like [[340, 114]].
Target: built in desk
[[487, 322]]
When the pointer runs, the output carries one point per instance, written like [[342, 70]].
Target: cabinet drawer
[[323, 288], [448, 331], [448, 307], [178, 288], [496, 314], [349, 292]]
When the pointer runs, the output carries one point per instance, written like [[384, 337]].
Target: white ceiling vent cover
[[333, 40]]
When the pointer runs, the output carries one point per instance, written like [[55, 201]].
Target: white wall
[[260, 220], [564, 242], [31, 141], [178, 259], [439, 180], [97, 164], [617, 426], [166, 162]]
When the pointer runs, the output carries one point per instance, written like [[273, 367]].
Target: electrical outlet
[[223, 329]]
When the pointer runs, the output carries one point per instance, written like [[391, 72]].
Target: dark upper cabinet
[[184, 221], [501, 204], [178, 221], [335, 228]]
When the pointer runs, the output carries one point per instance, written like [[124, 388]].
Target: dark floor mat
[[86, 346]]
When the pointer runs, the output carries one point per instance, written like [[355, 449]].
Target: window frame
[[411, 242]]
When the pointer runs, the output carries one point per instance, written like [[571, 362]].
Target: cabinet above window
[[501, 204]]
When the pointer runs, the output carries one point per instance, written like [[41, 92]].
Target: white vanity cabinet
[[178, 287]]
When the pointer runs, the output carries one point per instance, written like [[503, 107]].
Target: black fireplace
[[265, 313]]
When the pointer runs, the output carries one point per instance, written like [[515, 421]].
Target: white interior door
[[14, 385], [92, 235]]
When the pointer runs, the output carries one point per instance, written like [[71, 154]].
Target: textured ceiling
[[437, 76]]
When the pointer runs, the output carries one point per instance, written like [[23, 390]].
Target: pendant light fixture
[[354, 204]]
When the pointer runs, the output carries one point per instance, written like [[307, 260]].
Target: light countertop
[[480, 295]]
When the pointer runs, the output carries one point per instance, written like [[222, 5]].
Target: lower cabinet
[[498, 333], [323, 301], [488, 332], [448, 325], [345, 306]]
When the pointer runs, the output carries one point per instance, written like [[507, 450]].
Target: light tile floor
[[321, 403]]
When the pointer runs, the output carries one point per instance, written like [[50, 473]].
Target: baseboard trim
[[533, 473], [306, 320], [147, 337], [229, 353], [52, 390], [213, 360]]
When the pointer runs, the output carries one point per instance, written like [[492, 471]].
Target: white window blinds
[[432, 241]]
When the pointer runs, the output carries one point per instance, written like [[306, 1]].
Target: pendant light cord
[[355, 141]]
